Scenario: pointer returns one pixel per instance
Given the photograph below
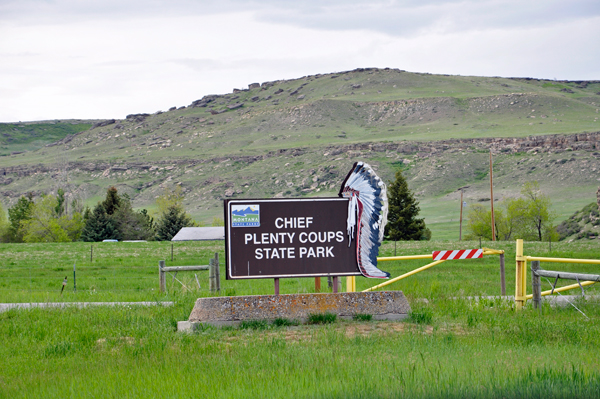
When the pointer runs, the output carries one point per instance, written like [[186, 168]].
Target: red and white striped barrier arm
[[458, 254]]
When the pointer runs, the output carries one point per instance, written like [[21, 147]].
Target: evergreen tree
[[87, 213], [112, 201], [133, 225], [148, 222], [403, 223], [171, 221], [99, 226], [60, 202]]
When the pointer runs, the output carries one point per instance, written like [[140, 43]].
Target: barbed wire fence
[[32, 273]]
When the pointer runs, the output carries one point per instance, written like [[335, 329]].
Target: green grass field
[[448, 348], [128, 271]]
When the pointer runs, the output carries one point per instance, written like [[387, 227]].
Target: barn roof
[[200, 234]]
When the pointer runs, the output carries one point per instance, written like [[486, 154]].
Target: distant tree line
[[47, 219], [528, 217]]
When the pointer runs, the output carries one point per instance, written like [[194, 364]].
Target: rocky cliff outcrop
[[547, 143]]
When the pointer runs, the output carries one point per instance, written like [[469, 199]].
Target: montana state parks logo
[[245, 215]]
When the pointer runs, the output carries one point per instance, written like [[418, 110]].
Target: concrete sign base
[[224, 311]]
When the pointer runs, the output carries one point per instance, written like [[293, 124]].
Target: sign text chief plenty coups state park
[[272, 238]]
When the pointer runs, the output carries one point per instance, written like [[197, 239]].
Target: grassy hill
[[31, 136], [584, 223], [300, 137]]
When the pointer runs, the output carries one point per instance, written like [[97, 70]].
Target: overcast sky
[[66, 59]]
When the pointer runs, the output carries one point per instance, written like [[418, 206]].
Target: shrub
[[283, 322], [423, 316], [321, 318], [362, 317], [254, 325]]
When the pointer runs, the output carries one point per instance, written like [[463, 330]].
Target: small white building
[[200, 234]]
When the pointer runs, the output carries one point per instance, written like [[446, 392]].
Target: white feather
[[365, 187]]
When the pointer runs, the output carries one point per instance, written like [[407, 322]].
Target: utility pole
[[461, 209]]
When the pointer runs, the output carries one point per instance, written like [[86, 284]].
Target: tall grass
[[450, 347], [466, 350]]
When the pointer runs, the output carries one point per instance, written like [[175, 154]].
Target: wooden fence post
[[162, 278], [214, 282], [536, 281], [502, 276], [217, 271], [211, 275]]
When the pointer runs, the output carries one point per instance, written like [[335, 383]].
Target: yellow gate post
[[351, 284], [520, 277]]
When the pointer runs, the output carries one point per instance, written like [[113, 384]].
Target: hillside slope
[[299, 138], [583, 224], [30, 136]]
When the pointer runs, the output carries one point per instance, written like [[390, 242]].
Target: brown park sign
[[276, 238]]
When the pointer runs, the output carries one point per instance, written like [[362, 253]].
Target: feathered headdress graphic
[[367, 216]]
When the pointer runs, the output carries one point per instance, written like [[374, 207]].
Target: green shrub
[[362, 317], [283, 322], [321, 318], [254, 325], [423, 316], [472, 320]]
